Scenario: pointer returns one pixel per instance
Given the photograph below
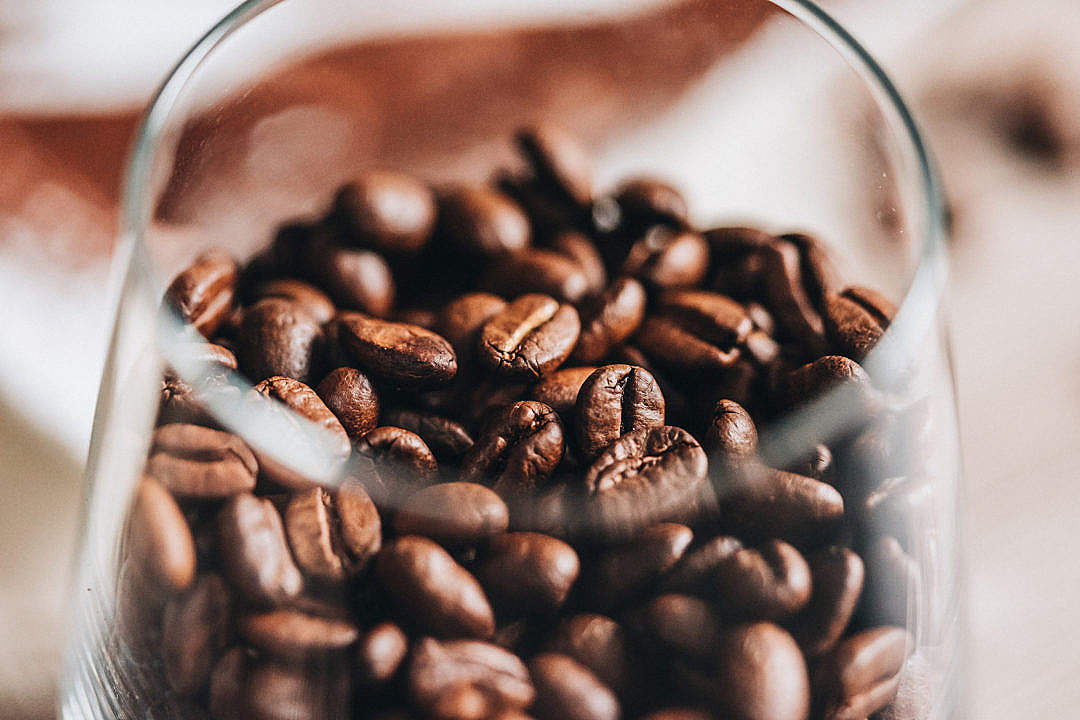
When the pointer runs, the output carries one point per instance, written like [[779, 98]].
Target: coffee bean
[[819, 274], [278, 337], [333, 536], [255, 557], [898, 508], [358, 280], [446, 437], [682, 624], [861, 674], [518, 449], [855, 320], [582, 251], [199, 463], [380, 653], [621, 572], [203, 293], [194, 633], [817, 463], [760, 674], [405, 355], [456, 513], [483, 222], [531, 337], [789, 297], [527, 572], [388, 211], [439, 671], [648, 201], [537, 271], [839, 375], [778, 504], [183, 403], [391, 461], [694, 572], [737, 261], [159, 540], [732, 436], [489, 399], [838, 580], [668, 259], [276, 691], [669, 344], [227, 684], [432, 590], [609, 319], [893, 581], [350, 395], [770, 582], [600, 644], [295, 636], [461, 320], [558, 161], [567, 690], [559, 390], [313, 300], [647, 476], [613, 401]]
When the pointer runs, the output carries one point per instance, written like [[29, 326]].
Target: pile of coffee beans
[[550, 501]]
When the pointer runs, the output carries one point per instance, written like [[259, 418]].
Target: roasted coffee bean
[[455, 513], [227, 684], [537, 271], [527, 572], [694, 572], [405, 355], [432, 590], [710, 316], [255, 557], [531, 337], [276, 691], [667, 259], [199, 463], [760, 674], [333, 535], [682, 624], [489, 399], [391, 461], [819, 274], [619, 573], [295, 636], [358, 280], [855, 320], [567, 690], [483, 222], [600, 644], [582, 251], [461, 320], [194, 632], [313, 300], [783, 505], [791, 299], [438, 672], [558, 162], [737, 263], [647, 476], [648, 201], [609, 319], [160, 543], [893, 581], [817, 463], [388, 211], [278, 337], [559, 390], [861, 674], [518, 450], [446, 437], [613, 401], [203, 293], [838, 580], [732, 436], [899, 507], [351, 396], [184, 403], [770, 582], [676, 348], [379, 654], [839, 375], [733, 242]]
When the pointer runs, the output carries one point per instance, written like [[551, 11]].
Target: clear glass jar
[[281, 102]]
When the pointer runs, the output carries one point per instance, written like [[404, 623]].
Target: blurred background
[[995, 85]]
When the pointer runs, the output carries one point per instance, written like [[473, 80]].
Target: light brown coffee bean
[[682, 624], [760, 674], [295, 636], [526, 572], [405, 355], [783, 505], [694, 571], [351, 396], [861, 674], [160, 543], [455, 513], [438, 672], [333, 535], [313, 300], [203, 293], [483, 222], [199, 463], [255, 557], [838, 580], [567, 690]]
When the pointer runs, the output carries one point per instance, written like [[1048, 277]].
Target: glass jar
[[249, 138]]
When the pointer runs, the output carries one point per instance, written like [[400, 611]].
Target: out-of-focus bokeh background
[[996, 87]]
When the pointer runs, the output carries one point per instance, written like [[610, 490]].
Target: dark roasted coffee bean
[[893, 581], [855, 320], [784, 505], [734, 242], [898, 507], [531, 337], [537, 271], [667, 259], [278, 337], [600, 644], [255, 557], [609, 319], [432, 590], [184, 403], [647, 476], [405, 355], [682, 624], [194, 632], [483, 222], [710, 316], [647, 201], [567, 690], [819, 274], [613, 401], [770, 582], [391, 462], [817, 463], [446, 437], [582, 251], [456, 513], [527, 572], [351, 396], [200, 463], [789, 298], [333, 535], [461, 320], [489, 399], [838, 580], [694, 571], [676, 348], [295, 636], [313, 300], [835, 374], [284, 692], [558, 162], [518, 450], [861, 674], [203, 293], [732, 437], [388, 211], [620, 572], [379, 654], [355, 279], [760, 674], [159, 540], [439, 672], [559, 390]]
